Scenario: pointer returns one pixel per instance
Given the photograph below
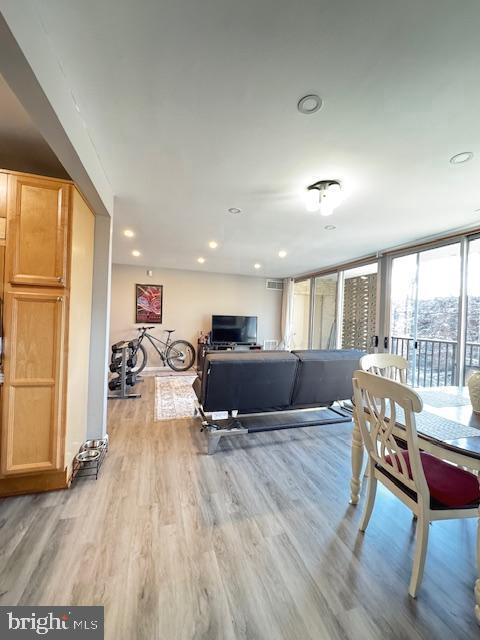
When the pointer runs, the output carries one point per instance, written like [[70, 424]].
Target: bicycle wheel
[[141, 359], [180, 355]]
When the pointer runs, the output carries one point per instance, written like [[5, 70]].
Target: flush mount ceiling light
[[201, 260], [330, 227], [136, 253], [462, 157], [282, 253], [309, 104], [212, 244], [324, 196], [128, 233], [257, 265], [234, 210]]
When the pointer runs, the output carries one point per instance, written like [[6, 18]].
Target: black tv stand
[[203, 349]]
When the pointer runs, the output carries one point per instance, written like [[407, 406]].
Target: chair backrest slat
[[387, 365]]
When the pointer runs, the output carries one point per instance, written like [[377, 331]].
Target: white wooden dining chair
[[432, 488], [388, 365]]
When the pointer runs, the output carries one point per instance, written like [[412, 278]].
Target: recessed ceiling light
[[329, 227], [136, 253], [128, 233], [212, 244], [234, 210], [282, 254], [309, 104], [257, 265], [460, 158], [201, 260]]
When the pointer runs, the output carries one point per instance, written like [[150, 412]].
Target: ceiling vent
[[275, 285]]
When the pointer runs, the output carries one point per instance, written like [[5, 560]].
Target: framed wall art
[[148, 303]]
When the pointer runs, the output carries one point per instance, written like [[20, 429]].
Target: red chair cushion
[[451, 486]]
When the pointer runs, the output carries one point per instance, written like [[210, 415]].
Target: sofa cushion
[[248, 381], [324, 376], [449, 486]]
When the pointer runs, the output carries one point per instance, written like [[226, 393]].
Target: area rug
[[174, 397]]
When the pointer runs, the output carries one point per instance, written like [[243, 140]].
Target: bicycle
[[179, 354]]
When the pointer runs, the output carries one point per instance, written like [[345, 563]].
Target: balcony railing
[[472, 355], [435, 360]]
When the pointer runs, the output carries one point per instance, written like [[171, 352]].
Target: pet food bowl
[[94, 444], [89, 455]]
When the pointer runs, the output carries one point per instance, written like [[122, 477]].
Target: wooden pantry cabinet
[[38, 214], [48, 270], [33, 412]]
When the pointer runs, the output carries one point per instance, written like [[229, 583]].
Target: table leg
[[357, 462], [477, 583]]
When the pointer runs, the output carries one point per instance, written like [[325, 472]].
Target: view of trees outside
[[435, 310], [403, 295]]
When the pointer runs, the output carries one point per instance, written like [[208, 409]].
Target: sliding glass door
[[425, 307], [425, 313], [337, 310], [403, 309], [301, 314], [324, 325], [472, 329]]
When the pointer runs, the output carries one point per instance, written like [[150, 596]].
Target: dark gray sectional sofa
[[262, 382]]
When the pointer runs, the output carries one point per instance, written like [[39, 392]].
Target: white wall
[[100, 321], [190, 298], [79, 334]]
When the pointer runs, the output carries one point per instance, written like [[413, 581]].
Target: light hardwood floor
[[255, 542]]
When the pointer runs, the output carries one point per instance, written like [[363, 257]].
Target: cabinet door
[[37, 213], [33, 414]]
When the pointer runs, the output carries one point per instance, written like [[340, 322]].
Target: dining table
[[448, 428]]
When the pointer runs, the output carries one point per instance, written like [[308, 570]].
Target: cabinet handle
[[59, 299]]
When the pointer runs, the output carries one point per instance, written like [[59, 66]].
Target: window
[[342, 313], [301, 314], [424, 313], [423, 305], [324, 332], [472, 329]]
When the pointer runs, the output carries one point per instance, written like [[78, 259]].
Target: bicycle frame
[[152, 339]]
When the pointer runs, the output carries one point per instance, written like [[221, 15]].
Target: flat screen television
[[238, 329]]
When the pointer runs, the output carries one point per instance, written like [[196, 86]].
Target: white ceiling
[[22, 148], [191, 107]]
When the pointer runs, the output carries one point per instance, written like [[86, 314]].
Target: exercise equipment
[[122, 362]]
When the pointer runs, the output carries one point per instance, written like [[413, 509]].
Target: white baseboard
[[152, 371]]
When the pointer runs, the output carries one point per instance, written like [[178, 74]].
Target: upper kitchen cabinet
[[37, 219]]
